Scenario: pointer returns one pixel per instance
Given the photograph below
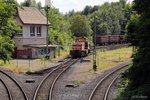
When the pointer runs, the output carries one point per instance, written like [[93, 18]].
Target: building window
[[39, 31], [32, 30]]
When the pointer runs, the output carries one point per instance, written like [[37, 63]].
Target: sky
[[78, 5]]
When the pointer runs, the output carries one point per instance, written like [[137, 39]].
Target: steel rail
[[15, 81], [103, 79], [39, 86], [57, 77], [44, 79], [108, 89], [8, 92]]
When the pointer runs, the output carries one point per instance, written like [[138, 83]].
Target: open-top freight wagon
[[109, 39]]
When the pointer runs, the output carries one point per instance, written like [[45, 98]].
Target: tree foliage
[[111, 18], [6, 48], [59, 31], [8, 28], [89, 10], [80, 26], [138, 32], [31, 3]]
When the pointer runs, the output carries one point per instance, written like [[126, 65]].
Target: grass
[[23, 66], [1, 63], [63, 54], [107, 59], [121, 86], [27, 66], [77, 83]]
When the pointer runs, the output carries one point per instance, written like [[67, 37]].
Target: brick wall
[[24, 53]]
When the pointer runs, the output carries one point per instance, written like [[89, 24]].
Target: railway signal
[[94, 49], [47, 7]]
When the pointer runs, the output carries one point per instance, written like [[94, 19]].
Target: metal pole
[[94, 49], [29, 65], [47, 8], [17, 63], [17, 59]]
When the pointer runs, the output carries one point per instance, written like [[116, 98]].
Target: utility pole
[[94, 48], [47, 7]]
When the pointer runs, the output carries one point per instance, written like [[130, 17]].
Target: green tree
[[95, 8], [71, 13], [87, 10], [8, 28], [31, 3], [80, 26], [59, 31], [138, 33], [6, 48], [26, 3], [39, 5], [111, 17]]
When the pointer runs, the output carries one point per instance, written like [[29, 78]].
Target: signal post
[[94, 48]]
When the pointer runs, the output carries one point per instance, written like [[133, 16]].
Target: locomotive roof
[[78, 43], [81, 39]]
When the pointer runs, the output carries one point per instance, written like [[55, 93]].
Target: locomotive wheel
[[89, 51], [83, 54]]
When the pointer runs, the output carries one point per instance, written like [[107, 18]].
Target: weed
[[77, 83]]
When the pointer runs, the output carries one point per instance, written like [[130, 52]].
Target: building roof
[[31, 15]]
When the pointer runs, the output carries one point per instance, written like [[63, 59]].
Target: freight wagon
[[109, 39]]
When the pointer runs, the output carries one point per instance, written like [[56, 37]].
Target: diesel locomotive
[[80, 48]]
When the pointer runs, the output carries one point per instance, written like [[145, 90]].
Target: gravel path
[[29, 87], [86, 83]]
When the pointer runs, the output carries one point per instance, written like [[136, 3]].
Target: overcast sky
[[78, 5]]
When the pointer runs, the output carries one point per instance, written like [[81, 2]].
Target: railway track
[[109, 87], [9, 97], [44, 90], [102, 88], [14, 90]]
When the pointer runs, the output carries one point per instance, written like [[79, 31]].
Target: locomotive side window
[[77, 45], [86, 44]]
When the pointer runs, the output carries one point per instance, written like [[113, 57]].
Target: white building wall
[[34, 41], [26, 39], [18, 20], [19, 43]]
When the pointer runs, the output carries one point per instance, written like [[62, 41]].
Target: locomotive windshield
[[77, 45]]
